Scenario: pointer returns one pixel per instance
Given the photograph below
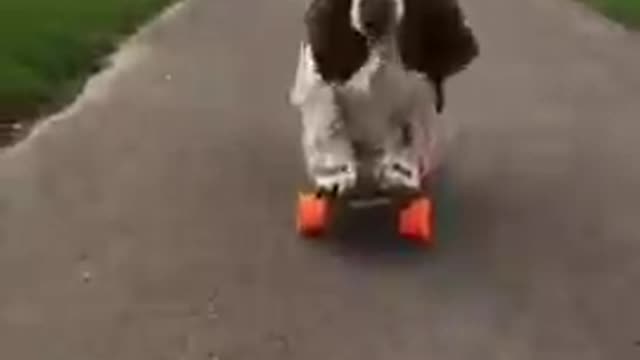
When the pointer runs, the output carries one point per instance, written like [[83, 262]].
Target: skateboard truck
[[414, 219]]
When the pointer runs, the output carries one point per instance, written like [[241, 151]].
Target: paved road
[[155, 222]]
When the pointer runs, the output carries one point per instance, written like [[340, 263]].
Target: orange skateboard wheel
[[313, 215], [415, 222]]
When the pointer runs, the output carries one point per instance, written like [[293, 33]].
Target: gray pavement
[[156, 221]]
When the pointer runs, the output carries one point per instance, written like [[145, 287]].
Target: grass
[[49, 47], [625, 11]]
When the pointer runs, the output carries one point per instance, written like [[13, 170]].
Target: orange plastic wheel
[[313, 214], [415, 221]]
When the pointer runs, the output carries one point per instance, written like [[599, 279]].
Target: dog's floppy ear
[[337, 48], [436, 39]]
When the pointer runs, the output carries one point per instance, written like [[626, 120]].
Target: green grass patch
[[625, 11], [49, 47]]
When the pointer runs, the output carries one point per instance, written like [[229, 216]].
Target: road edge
[[129, 53]]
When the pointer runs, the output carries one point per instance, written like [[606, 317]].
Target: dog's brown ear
[[435, 38], [337, 48]]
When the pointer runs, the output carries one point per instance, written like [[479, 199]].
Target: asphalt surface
[[156, 220]]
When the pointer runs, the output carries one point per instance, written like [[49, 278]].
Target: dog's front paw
[[399, 172], [336, 179]]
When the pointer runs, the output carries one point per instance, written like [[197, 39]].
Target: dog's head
[[375, 19]]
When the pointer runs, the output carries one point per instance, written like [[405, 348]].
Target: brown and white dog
[[371, 76]]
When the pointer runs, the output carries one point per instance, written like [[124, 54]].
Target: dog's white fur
[[356, 17], [376, 96], [316, 101]]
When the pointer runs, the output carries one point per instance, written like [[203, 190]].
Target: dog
[[370, 80]]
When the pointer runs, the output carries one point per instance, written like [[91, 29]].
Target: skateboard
[[413, 209]]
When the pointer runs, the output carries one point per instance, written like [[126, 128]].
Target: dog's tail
[[376, 19]]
